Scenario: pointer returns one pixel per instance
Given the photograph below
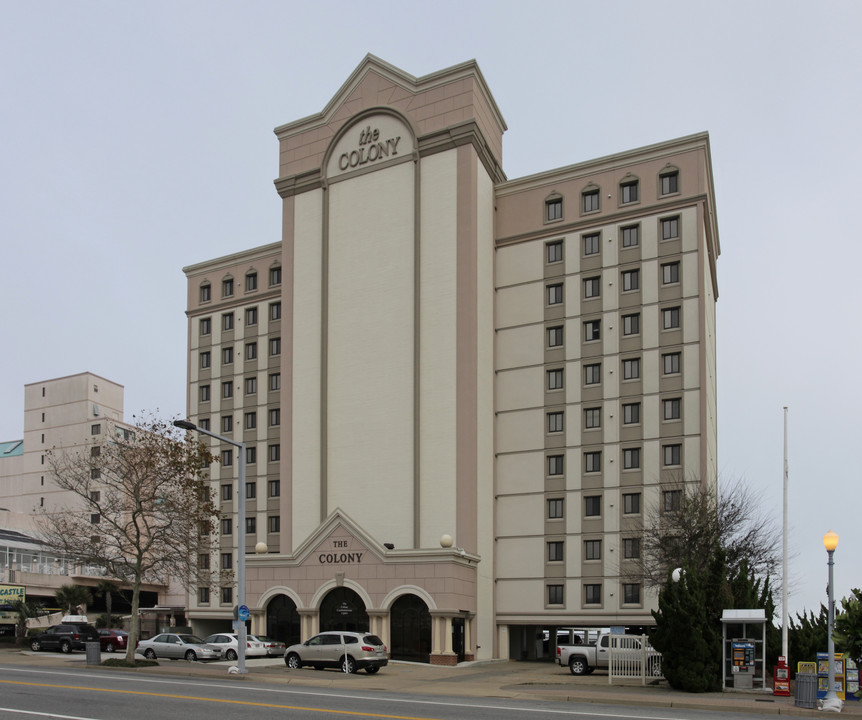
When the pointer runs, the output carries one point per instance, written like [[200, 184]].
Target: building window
[[631, 593], [631, 548], [251, 490], [555, 294], [555, 336], [227, 389], [274, 453], [95, 518], [670, 273], [672, 408], [274, 523], [672, 455], [250, 525], [555, 422], [251, 316], [553, 209], [670, 228], [592, 418], [631, 236], [227, 423], [632, 324], [274, 488], [591, 244], [592, 549], [555, 594], [95, 473], [95, 495], [204, 423], [590, 200], [592, 330], [592, 287], [206, 293], [631, 458], [206, 326], [555, 464], [274, 276], [631, 413], [671, 500], [593, 505], [227, 288], [669, 182], [593, 594], [203, 595], [226, 492], [204, 393], [631, 369], [670, 318], [274, 417], [629, 191], [95, 451], [250, 420], [96, 429], [592, 374], [555, 551], [227, 595], [632, 503], [554, 251], [274, 381], [631, 280], [227, 356], [275, 346], [226, 526], [555, 508], [204, 561], [226, 458], [670, 362], [250, 455], [555, 379], [226, 561], [250, 385], [227, 322], [251, 351], [251, 282], [205, 359], [275, 311]]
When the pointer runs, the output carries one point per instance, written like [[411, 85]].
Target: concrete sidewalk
[[501, 679]]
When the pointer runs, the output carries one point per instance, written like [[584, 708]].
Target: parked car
[[349, 651], [229, 644], [274, 648], [179, 646], [584, 659], [111, 640], [65, 637]]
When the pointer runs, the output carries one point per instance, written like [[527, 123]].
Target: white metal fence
[[632, 657]]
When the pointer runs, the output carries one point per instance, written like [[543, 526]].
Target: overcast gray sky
[[137, 139]]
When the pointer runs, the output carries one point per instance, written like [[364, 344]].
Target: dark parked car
[[111, 640], [65, 637]]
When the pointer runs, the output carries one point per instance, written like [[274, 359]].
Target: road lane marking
[[44, 714]]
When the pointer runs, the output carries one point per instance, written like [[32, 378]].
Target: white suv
[[348, 651]]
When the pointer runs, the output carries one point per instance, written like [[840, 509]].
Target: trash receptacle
[[806, 690], [94, 653]]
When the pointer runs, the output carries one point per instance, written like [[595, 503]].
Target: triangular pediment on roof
[[339, 535]]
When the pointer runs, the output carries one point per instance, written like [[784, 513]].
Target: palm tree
[[25, 609], [71, 596], [105, 588]]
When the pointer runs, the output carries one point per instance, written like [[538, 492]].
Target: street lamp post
[[831, 701], [241, 638]]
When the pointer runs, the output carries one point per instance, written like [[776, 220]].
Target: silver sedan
[[180, 646]]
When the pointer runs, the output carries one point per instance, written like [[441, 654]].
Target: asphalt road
[[96, 694]]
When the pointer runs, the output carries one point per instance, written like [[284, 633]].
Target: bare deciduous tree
[[731, 518], [142, 509]]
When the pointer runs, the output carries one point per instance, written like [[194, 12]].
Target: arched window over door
[[343, 609], [282, 620], [410, 629]]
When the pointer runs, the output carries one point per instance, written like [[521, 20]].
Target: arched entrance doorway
[[282, 620], [343, 609], [410, 629]]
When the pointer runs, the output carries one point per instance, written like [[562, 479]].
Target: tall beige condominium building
[[460, 393]]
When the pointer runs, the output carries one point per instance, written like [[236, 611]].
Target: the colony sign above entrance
[[370, 142]]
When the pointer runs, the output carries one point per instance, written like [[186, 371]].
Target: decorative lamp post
[[241, 636], [831, 702]]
